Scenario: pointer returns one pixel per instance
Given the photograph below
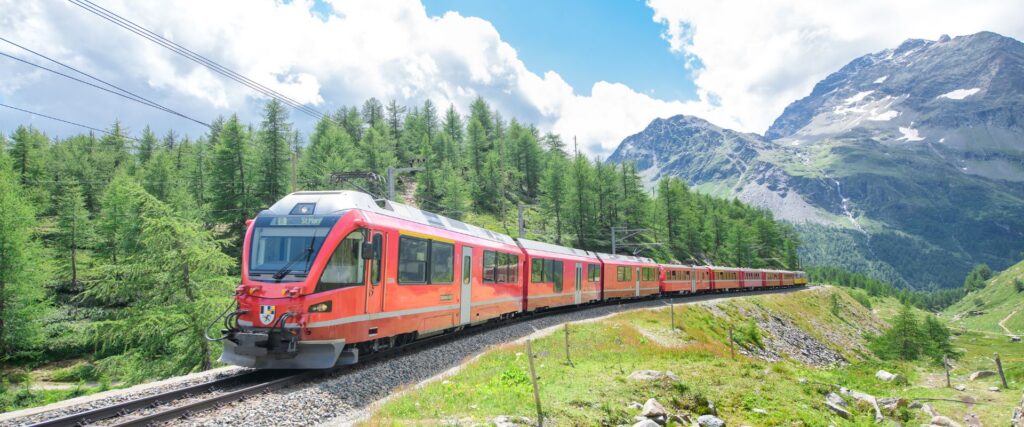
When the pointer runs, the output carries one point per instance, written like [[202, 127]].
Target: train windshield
[[283, 247]]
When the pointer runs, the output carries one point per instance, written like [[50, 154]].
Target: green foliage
[[909, 339], [748, 335], [23, 302], [976, 279], [1018, 284], [933, 300], [834, 306], [862, 298]]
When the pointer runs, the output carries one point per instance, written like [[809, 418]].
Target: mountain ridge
[[906, 164]]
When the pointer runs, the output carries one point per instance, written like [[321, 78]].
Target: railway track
[[196, 398]]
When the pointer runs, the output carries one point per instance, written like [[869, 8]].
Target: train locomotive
[[329, 275]]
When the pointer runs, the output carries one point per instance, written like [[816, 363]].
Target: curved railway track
[[161, 407]]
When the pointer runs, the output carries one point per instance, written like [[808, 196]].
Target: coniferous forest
[[120, 248]]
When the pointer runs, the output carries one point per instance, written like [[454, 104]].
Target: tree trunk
[[197, 327]]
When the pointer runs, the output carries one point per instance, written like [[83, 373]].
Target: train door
[[637, 292], [466, 296], [374, 288], [693, 280], [579, 282]]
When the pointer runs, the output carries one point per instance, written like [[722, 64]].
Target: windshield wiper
[[288, 267]]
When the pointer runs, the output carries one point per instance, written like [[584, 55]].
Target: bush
[[748, 335], [862, 298], [1018, 284], [76, 373]]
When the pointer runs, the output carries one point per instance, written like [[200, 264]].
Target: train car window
[[442, 262], [549, 267], [502, 276], [412, 259], [513, 268], [593, 272], [647, 274], [378, 242], [346, 266], [489, 266], [537, 270], [556, 274]]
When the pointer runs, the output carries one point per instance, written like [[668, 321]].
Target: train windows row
[[423, 259], [500, 267], [546, 270], [624, 274], [677, 275]]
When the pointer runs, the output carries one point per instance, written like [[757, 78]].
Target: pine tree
[[274, 154], [903, 340], [395, 115], [373, 112], [330, 150], [378, 155], [158, 175], [147, 143], [23, 303], [74, 229], [232, 198], [452, 126], [553, 190]]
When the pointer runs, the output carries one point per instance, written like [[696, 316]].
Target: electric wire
[[126, 93], [191, 55], [158, 107], [69, 122]]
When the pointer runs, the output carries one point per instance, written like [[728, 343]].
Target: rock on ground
[[940, 420], [981, 374], [960, 387], [646, 423], [710, 421], [886, 376], [836, 399], [653, 409], [838, 410], [649, 375]]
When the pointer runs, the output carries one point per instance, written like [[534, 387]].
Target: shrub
[[748, 335], [862, 298], [1018, 284]]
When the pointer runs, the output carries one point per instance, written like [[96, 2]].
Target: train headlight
[[323, 307]]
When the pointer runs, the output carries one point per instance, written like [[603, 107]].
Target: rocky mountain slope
[[907, 164]]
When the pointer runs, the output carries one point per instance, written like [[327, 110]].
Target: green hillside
[[998, 300]]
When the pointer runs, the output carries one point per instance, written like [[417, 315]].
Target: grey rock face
[[710, 421]]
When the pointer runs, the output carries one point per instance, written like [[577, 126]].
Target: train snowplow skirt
[[310, 355]]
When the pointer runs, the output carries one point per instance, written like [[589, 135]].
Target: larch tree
[[232, 198], [74, 230], [274, 155]]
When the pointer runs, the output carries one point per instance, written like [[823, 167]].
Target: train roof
[[548, 247], [328, 202], [626, 258]]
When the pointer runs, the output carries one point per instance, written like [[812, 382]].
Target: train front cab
[[800, 278], [627, 276], [559, 276], [326, 275]]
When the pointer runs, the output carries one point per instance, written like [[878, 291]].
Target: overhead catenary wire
[[70, 122], [193, 56], [123, 92], [123, 95]]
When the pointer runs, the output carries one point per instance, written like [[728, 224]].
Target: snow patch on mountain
[[884, 116], [959, 94], [858, 97], [881, 80], [909, 135]]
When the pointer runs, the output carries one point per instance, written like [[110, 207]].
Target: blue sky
[[614, 41]]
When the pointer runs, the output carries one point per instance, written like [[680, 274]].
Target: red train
[[329, 275]]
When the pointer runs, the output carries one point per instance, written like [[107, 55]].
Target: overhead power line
[[119, 91], [193, 56], [69, 122]]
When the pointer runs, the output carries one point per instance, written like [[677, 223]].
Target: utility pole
[[522, 222], [626, 233], [392, 173]]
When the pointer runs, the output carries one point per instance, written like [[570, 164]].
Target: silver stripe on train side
[[384, 315], [496, 301]]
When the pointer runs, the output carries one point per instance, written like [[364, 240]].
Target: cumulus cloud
[[749, 61], [362, 49], [753, 58]]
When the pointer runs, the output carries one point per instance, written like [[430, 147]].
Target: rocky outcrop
[[981, 374]]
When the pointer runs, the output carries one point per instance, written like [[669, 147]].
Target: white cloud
[[388, 50], [755, 57]]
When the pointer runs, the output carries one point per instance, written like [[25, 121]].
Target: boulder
[[867, 398], [836, 399], [886, 376], [653, 409], [995, 389], [960, 387], [634, 405], [981, 374], [838, 410], [929, 410], [646, 423], [710, 421], [1014, 338], [892, 403], [972, 420], [509, 421], [760, 411], [940, 420], [649, 375]]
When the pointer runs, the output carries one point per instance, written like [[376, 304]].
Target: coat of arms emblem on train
[[267, 313]]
